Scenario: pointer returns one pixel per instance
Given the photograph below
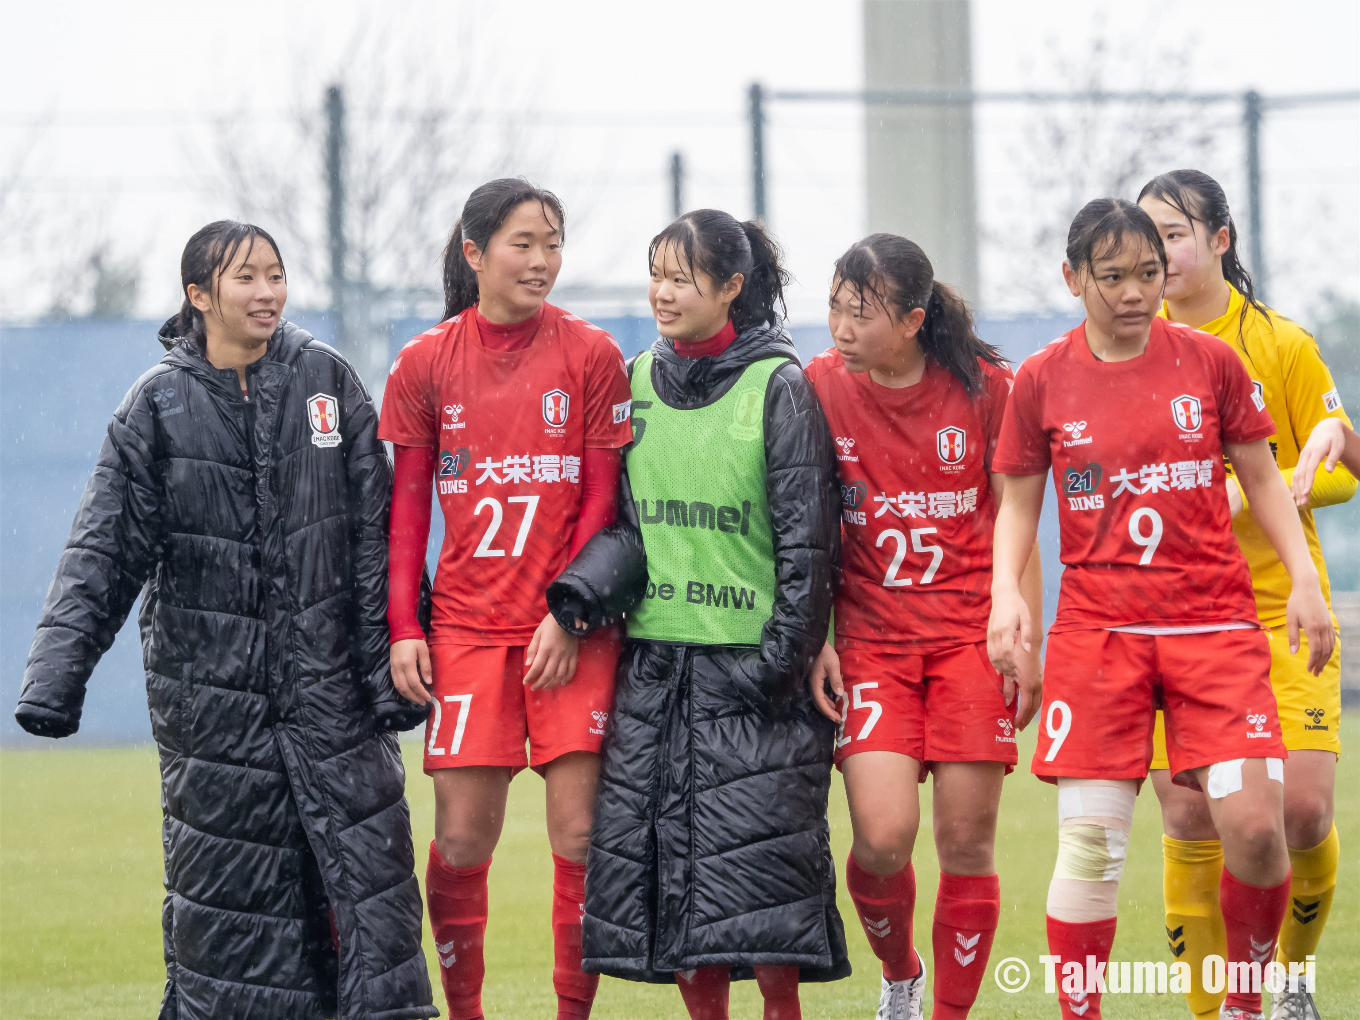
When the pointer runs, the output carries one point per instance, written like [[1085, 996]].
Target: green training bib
[[698, 480]]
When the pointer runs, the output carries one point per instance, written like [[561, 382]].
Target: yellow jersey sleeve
[[1310, 396]]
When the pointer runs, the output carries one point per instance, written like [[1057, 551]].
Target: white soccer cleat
[[901, 1000], [1293, 1006], [1238, 1013]]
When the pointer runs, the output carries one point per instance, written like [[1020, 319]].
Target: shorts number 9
[[1059, 733]]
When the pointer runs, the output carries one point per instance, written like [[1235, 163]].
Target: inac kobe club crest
[[951, 444], [1185, 409], [324, 414], [555, 405]]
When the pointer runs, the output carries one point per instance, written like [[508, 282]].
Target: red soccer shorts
[[946, 706], [1102, 689], [484, 714]]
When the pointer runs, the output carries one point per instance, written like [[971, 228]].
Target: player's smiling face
[[686, 303], [869, 337], [248, 296], [1193, 256], [1121, 289], [520, 264]]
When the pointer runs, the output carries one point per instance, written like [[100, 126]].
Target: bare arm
[[1274, 510], [1010, 631]]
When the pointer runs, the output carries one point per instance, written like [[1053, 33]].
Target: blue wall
[[59, 385]]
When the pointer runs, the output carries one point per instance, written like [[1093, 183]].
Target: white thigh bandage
[[1225, 777], [1094, 820]]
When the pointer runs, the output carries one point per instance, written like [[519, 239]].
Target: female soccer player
[[915, 401], [710, 857], [1136, 413], [242, 492], [517, 410], [1207, 288]]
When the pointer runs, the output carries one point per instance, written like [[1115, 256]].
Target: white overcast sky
[[124, 84]]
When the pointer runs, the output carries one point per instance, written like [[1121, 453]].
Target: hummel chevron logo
[[965, 960], [1262, 951], [1177, 948], [445, 952], [1305, 912], [879, 929]]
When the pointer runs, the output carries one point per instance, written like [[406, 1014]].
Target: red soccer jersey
[[510, 428], [1136, 449], [917, 508]]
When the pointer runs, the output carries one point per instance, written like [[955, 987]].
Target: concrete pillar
[[919, 167]]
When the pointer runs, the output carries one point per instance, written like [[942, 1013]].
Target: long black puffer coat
[[710, 844], [256, 533]]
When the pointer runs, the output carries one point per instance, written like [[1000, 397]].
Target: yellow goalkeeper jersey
[[1292, 380]]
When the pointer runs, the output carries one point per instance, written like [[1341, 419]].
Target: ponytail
[[896, 273], [483, 214], [209, 254], [460, 282], [763, 286], [712, 242], [1187, 190]]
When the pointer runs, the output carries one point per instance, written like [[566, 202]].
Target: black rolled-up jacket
[[710, 844], [256, 533]]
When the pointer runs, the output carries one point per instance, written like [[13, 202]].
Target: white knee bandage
[[1094, 820]]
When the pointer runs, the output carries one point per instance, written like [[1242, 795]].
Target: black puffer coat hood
[[710, 844], [256, 533]]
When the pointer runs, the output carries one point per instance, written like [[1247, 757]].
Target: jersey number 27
[[497, 515]]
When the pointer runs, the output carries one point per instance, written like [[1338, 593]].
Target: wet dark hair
[[712, 242], [484, 212], [1099, 231], [1200, 198], [209, 254], [896, 273]]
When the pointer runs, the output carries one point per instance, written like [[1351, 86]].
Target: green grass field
[[80, 894]]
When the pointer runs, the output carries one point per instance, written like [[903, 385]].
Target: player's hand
[[551, 659], [411, 673], [1008, 632], [1307, 610], [1327, 441], [1029, 684], [826, 672], [1234, 495]]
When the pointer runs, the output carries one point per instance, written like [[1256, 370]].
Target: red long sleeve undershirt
[[410, 524]]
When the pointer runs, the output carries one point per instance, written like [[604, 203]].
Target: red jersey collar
[[715, 344], [508, 337]]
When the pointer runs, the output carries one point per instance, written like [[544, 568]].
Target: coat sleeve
[[804, 499], [369, 479], [114, 544], [607, 578]]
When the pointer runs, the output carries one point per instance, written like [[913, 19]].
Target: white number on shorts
[[875, 709], [464, 704], [1150, 541], [890, 579], [1060, 734], [484, 546]]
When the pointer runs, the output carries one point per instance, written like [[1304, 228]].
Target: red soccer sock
[[779, 989], [575, 989], [1251, 920], [967, 909], [885, 905], [457, 901], [1074, 941], [705, 991]]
